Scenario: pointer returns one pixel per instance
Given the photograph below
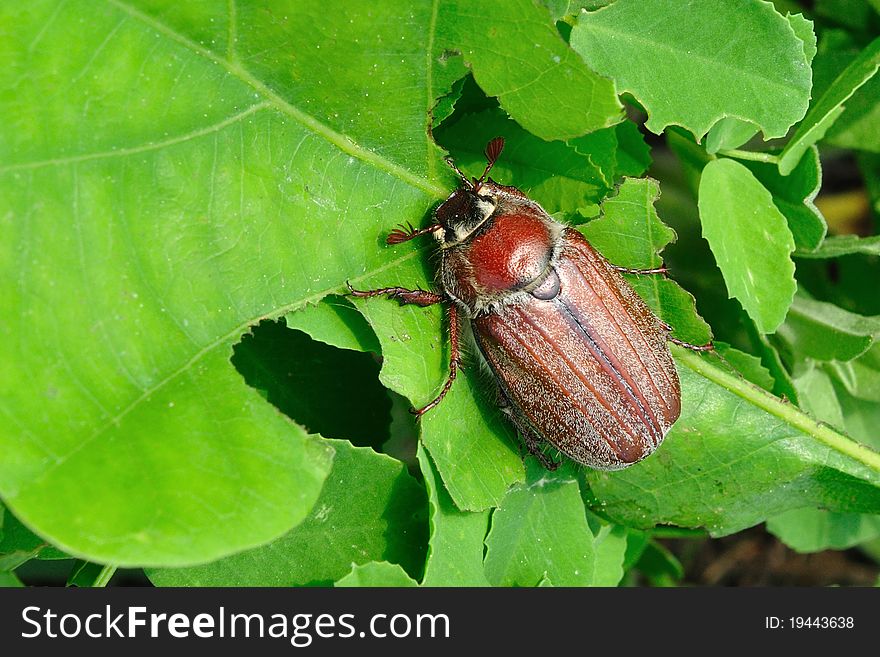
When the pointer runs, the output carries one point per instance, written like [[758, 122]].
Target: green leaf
[[682, 77], [9, 580], [540, 529], [823, 331], [376, 573], [455, 550], [446, 104], [746, 364], [856, 127], [840, 245], [859, 377], [129, 432], [517, 55], [337, 322], [783, 386], [554, 174], [369, 510], [829, 106], [85, 574], [609, 548], [793, 195], [803, 28], [750, 239], [474, 447], [817, 395], [729, 133], [629, 233], [633, 154], [19, 544], [735, 457], [659, 565], [811, 530]]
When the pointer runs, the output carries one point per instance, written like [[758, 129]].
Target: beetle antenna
[[461, 175], [493, 151]]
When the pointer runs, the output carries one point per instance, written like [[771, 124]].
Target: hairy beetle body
[[581, 362]]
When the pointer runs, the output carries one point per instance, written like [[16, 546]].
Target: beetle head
[[469, 206]]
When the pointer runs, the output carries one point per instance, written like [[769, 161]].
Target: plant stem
[[750, 155], [786, 412], [104, 576]]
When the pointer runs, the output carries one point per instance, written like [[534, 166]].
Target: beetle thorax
[[490, 261]]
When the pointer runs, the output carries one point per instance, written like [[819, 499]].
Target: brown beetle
[[581, 362]]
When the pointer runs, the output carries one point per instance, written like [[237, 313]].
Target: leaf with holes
[[168, 178]]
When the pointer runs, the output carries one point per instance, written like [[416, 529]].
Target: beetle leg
[[454, 362], [421, 298], [532, 442], [629, 270], [693, 347]]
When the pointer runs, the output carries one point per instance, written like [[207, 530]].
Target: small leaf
[[539, 530], [729, 133], [609, 547], [9, 580], [794, 195], [84, 574], [446, 104], [19, 544], [633, 154], [811, 530], [750, 239], [746, 364], [803, 28], [455, 549], [376, 573], [783, 386], [682, 77], [856, 127], [523, 61], [817, 396], [630, 233], [337, 322], [840, 245], [369, 510], [474, 447], [829, 106], [823, 331], [659, 565], [859, 377]]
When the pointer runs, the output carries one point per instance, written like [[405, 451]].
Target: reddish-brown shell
[[584, 362]]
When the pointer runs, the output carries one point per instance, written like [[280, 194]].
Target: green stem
[[104, 576], [750, 155], [786, 412]]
